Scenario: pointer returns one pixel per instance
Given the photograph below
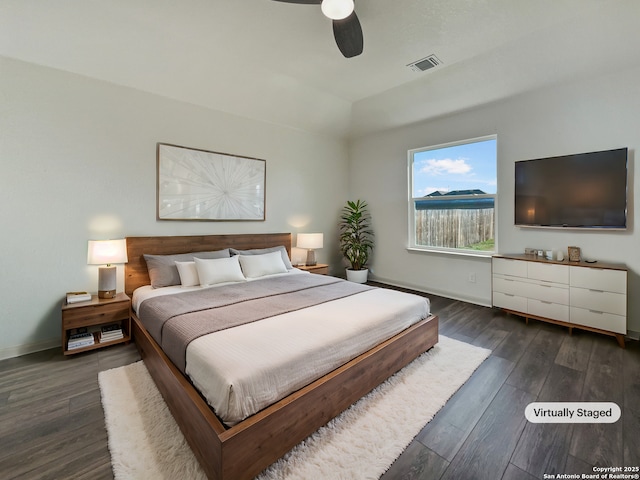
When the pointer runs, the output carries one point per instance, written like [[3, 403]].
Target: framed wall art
[[201, 185]]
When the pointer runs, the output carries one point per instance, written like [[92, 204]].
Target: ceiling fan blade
[[302, 2], [348, 35]]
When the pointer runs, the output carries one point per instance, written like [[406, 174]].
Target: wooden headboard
[[136, 275]]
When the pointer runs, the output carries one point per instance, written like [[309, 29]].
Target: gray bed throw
[[177, 319]]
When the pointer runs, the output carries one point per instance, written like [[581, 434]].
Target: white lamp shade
[[107, 252], [310, 240], [337, 9]]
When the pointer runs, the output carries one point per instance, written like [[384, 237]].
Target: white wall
[[591, 114], [78, 163]]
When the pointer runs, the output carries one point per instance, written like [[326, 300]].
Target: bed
[[243, 447]]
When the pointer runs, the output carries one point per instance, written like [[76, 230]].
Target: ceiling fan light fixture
[[337, 9]]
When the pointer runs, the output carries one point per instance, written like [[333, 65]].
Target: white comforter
[[244, 369]]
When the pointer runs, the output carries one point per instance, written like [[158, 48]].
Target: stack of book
[[80, 340], [109, 333], [75, 297]]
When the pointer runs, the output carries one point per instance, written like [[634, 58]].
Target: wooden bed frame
[[244, 450]]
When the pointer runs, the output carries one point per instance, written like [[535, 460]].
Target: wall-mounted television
[[586, 190]]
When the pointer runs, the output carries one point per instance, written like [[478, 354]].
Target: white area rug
[[361, 443]]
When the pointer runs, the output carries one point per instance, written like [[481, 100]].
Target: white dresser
[[575, 294]]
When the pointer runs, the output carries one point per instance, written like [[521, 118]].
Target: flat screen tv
[[587, 190]]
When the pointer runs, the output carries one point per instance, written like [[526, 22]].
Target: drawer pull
[[596, 312], [596, 291], [546, 303]]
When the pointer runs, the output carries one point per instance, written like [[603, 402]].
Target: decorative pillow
[[219, 270], [254, 266], [162, 268], [188, 274], [262, 251]]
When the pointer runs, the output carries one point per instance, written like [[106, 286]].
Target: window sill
[[462, 253]]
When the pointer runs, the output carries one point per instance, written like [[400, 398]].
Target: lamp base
[[107, 282], [311, 258]]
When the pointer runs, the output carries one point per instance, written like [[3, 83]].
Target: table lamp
[[107, 252], [310, 241]]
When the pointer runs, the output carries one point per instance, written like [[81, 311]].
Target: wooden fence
[[454, 228]]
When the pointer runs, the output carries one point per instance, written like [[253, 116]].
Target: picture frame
[[574, 254], [202, 185]]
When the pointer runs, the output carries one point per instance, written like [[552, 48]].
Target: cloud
[[457, 166]]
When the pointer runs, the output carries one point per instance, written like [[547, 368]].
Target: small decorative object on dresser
[[574, 254]]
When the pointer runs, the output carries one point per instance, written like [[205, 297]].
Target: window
[[453, 196]]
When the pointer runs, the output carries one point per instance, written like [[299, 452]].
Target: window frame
[[411, 233]]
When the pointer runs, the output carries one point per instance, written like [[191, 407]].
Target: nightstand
[[94, 314], [319, 268]]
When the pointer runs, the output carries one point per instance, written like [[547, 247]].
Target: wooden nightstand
[[319, 268], [94, 314]]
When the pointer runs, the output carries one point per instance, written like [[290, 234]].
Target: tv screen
[[587, 190]]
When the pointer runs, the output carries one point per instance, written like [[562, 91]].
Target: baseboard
[[19, 350], [440, 293], [633, 335]]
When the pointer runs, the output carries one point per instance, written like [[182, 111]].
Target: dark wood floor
[[52, 423]]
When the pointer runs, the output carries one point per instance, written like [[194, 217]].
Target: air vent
[[425, 64]]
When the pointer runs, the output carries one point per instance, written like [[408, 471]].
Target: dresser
[[590, 296]]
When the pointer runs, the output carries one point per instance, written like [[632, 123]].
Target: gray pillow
[[260, 251], [162, 268]]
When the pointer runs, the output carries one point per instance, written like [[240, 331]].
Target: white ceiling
[[278, 62]]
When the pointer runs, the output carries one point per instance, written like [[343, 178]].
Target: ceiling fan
[[346, 26]]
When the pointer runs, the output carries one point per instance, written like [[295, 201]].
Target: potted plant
[[356, 239]]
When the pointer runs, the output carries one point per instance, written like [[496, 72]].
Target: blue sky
[[459, 167]]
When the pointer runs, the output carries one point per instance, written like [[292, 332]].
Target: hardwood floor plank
[[486, 452], [575, 350], [514, 473], [631, 406], [417, 462], [520, 336], [544, 447], [601, 444], [532, 369], [453, 423]]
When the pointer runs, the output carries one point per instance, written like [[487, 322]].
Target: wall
[[587, 115], [78, 163]]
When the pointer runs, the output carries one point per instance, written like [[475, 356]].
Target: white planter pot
[[357, 276]]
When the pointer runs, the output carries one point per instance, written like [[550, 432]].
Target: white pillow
[[218, 270], [260, 265], [188, 273]]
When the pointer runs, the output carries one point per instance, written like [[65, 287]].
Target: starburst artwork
[[202, 185]]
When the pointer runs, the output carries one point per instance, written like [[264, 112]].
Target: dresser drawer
[[548, 273], [598, 300], [510, 285], [546, 309], [548, 292], [599, 279], [601, 320], [510, 302], [505, 266]]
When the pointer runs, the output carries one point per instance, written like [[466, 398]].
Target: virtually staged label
[[572, 412]]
